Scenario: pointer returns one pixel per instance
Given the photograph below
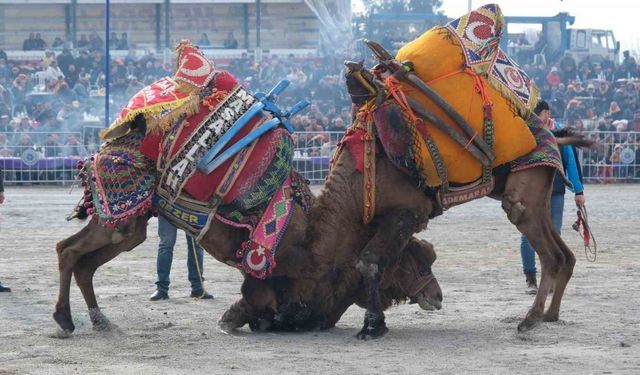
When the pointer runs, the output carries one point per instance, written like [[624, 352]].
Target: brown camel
[[401, 210], [263, 305]]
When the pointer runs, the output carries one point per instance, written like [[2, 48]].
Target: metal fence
[[615, 158], [50, 158]]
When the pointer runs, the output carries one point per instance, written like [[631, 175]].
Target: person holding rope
[[195, 258], [2, 288], [572, 170]]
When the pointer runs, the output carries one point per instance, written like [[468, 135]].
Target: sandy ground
[[478, 268]]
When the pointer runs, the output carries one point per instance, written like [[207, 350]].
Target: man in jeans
[[168, 233], [2, 288], [572, 171]]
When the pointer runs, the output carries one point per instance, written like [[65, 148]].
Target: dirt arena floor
[[478, 268]]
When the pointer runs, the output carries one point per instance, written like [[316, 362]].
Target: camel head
[[415, 277], [359, 83]]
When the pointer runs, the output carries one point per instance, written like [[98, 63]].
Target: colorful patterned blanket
[[479, 33], [119, 181], [546, 152]]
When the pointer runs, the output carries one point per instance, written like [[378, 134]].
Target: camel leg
[[528, 209], [87, 265], [90, 238], [394, 232], [564, 275]]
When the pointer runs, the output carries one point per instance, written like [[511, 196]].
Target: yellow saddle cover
[[446, 61]]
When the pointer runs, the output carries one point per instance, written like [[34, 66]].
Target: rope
[[582, 222], [195, 258], [395, 90]]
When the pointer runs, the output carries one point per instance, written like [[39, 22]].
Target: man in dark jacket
[[2, 288]]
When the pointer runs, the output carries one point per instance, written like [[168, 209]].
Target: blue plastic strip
[[236, 147], [229, 134]]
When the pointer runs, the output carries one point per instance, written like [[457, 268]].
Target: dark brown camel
[[401, 210]]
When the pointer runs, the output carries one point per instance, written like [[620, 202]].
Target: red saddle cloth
[[236, 176]]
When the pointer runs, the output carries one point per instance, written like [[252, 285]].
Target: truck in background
[[555, 38]]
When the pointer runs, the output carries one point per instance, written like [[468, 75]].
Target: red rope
[[395, 90], [587, 236]]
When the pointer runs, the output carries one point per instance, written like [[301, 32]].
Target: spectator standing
[[95, 42], [65, 59], [28, 44], [230, 42], [568, 67], [38, 43], [58, 43], [123, 43], [195, 258], [73, 147], [114, 42], [204, 41], [52, 147], [84, 61], [83, 42]]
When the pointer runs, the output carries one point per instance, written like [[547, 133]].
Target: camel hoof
[[104, 327], [527, 324], [550, 317], [62, 334], [372, 333], [64, 321], [100, 322]]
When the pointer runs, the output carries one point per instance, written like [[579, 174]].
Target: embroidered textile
[[257, 255], [546, 152], [479, 33], [192, 67], [119, 181], [208, 127], [159, 103]]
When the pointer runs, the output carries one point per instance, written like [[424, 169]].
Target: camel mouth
[[429, 304]]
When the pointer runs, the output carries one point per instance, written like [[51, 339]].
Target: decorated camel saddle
[[198, 147], [448, 109]]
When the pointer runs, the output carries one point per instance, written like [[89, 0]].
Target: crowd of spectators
[[49, 102], [601, 98]]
